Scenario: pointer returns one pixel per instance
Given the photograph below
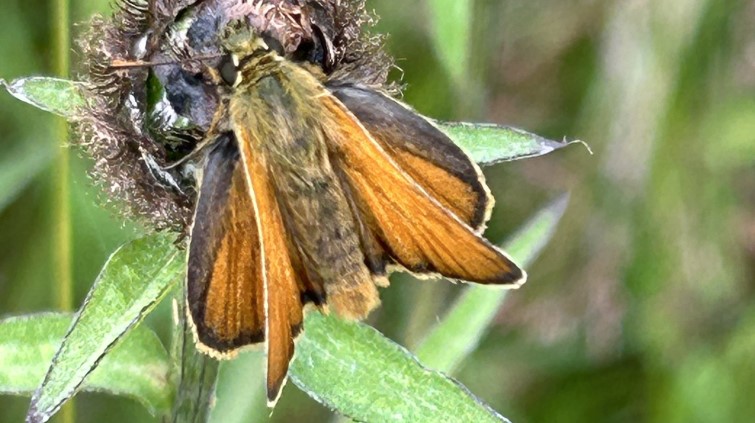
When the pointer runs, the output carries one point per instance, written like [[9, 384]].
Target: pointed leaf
[[460, 331], [352, 368], [135, 278], [59, 96], [138, 367], [489, 144]]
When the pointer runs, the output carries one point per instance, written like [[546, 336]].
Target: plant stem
[[61, 198], [62, 172]]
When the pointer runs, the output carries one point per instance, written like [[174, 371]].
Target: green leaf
[[451, 23], [460, 331], [489, 144], [138, 367], [59, 96], [135, 278], [352, 368]]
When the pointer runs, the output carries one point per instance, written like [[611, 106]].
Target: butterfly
[[310, 193]]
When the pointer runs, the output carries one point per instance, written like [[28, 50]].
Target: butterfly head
[[245, 51]]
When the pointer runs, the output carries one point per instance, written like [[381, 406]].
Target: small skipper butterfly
[[310, 192]]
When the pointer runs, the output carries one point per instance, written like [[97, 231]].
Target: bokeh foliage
[[642, 307]]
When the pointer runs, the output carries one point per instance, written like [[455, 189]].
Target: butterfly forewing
[[425, 153], [224, 278], [418, 231]]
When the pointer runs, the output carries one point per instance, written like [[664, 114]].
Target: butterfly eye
[[273, 44], [229, 69]]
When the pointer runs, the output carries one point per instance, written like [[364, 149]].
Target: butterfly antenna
[[132, 64]]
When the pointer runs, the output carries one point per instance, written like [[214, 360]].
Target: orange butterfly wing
[[421, 150], [225, 285], [418, 231], [243, 287]]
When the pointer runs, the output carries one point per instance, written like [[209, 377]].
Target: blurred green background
[[641, 309]]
